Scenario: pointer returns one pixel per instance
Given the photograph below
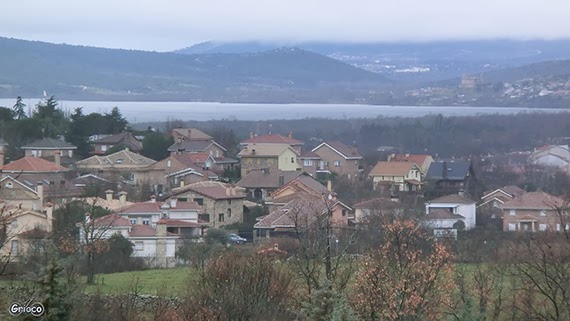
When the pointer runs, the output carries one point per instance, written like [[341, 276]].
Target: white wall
[[191, 216], [469, 211]]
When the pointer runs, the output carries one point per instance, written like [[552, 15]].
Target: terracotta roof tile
[[377, 203], [211, 189], [139, 230], [191, 134], [534, 200], [452, 198], [264, 150], [392, 168], [267, 178], [441, 214], [112, 220], [272, 139], [32, 164], [340, 147]]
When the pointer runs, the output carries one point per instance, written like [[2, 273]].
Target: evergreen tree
[[18, 110], [328, 305], [155, 145], [54, 293], [52, 119], [116, 123]]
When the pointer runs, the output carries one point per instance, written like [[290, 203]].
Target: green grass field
[[163, 281]]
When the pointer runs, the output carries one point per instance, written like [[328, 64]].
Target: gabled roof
[[198, 158], [49, 143], [123, 157], [156, 207], [301, 211], [452, 199], [416, 158], [12, 194], [196, 146], [510, 190], [264, 150], [377, 203], [442, 214], [457, 170], [112, 220], [534, 200], [213, 190], [141, 230], [191, 134], [88, 179], [267, 178], [116, 139], [272, 139], [392, 168], [302, 185], [32, 165], [341, 149]]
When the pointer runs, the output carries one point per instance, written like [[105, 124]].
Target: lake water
[[202, 111]]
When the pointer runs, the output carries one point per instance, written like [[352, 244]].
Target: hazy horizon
[[175, 24]]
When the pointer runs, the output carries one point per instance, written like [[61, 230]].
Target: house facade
[[273, 157], [456, 207], [402, 176], [48, 147], [379, 207], [221, 204], [551, 155], [451, 175], [274, 139], [260, 184], [333, 157], [128, 140], [122, 165], [534, 212]]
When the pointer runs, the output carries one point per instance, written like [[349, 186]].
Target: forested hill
[[537, 70], [30, 67]]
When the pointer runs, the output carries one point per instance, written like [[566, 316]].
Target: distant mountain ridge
[[78, 72]]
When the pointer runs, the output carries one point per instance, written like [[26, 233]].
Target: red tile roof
[[138, 230], [214, 190], [377, 203], [272, 139], [344, 150], [453, 198], [534, 200], [391, 169], [441, 214], [310, 154], [197, 158], [112, 220], [418, 159], [32, 164], [155, 207]]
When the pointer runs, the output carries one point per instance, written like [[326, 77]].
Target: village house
[[260, 184], [274, 139], [179, 169], [303, 185], [332, 157], [48, 147], [109, 202], [153, 244], [272, 157], [444, 213], [451, 175], [302, 213], [533, 212], [127, 140], [376, 207], [194, 141], [221, 204], [24, 227], [34, 171], [423, 161], [401, 176], [122, 165], [499, 196]]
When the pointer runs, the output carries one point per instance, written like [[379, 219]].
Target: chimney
[[1, 158], [179, 139], [232, 190], [281, 180], [123, 198], [182, 183], [162, 260], [58, 158], [228, 190], [109, 195], [461, 192], [329, 185], [153, 198], [253, 152], [407, 155], [290, 135], [190, 134], [49, 215], [40, 191], [173, 202], [250, 135]]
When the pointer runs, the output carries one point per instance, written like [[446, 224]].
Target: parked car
[[236, 239]]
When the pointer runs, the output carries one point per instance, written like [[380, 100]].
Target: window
[[182, 199], [292, 159], [103, 148], [217, 153], [542, 227], [343, 212], [146, 221], [356, 162], [168, 163], [133, 221], [14, 249], [221, 217], [139, 245], [35, 153], [337, 163], [9, 185], [70, 153], [229, 212], [512, 227], [199, 201], [543, 213], [558, 227], [327, 164], [39, 153], [14, 224], [204, 218], [512, 212], [308, 162], [229, 202]]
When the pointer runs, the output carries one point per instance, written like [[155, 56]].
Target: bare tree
[[7, 232]]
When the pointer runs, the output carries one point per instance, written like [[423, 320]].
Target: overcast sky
[[164, 25]]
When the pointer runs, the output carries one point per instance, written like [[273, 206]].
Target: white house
[[551, 155], [155, 245], [444, 212]]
